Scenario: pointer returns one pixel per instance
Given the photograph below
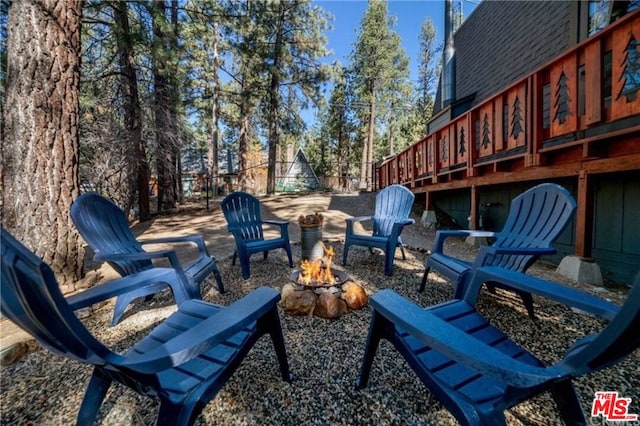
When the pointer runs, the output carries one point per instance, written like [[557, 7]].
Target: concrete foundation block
[[429, 219], [581, 270]]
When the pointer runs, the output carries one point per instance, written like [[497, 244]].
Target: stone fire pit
[[318, 289]]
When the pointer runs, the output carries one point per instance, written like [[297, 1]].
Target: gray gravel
[[324, 356]]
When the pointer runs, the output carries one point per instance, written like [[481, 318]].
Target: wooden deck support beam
[[584, 216], [474, 221]]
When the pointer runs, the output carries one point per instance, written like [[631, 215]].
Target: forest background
[[123, 97]]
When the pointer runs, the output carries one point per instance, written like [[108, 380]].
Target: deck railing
[[589, 93]]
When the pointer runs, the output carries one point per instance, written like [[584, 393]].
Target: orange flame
[[318, 271]]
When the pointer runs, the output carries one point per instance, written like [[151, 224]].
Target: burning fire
[[318, 271]]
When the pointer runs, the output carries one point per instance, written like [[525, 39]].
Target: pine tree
[[293, 49], [41, 138], [428, 73], [379, 64], [166, 101], [131, 105], [340, 124]]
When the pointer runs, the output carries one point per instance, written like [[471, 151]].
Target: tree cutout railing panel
[[626, 71], [562, 99], [486, 131], [564, 96], [517, 113], [460, 141], [443, 149], [462, 144], [418, 155]]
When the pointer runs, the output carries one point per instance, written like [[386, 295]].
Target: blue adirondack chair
[[104, 227], [182, 363], [391, 215], [244, 221], [475, 370], [536, 219]]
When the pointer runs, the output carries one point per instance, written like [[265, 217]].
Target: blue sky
[[410, 14]]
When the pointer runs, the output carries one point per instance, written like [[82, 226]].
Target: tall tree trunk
[[243, 139], [391, 135], [370, 139], [274, 104], [367, 152], [41, 139], [342, 167], [213, 154], [164, 138], [132, 111], [174, 106]]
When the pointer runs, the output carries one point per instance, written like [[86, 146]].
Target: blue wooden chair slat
[[104, 227], [391, 215], [475, 370], [183, 362], [244, 220], [536, 219]]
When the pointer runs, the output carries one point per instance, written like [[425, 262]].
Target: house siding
[[517, 37]]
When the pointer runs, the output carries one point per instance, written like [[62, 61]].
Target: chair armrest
[[543, 288], [284, 227], [283, 224], [276, 222], [458, 345], [486, 253], [404, 222], [399, 226], [147, 255], [205, 335], [441, 236], [197, 239], [358, 218]]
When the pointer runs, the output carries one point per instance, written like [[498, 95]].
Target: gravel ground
[[324, 355]]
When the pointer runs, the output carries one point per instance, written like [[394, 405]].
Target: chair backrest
[[104, 227], [392, 203], [616, 341], [536, 219], [32, 299], [242, 213]]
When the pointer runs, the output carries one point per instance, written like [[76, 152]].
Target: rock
[[354, 295], [13, 353], [330, 306], [286, 290], [299, 302]]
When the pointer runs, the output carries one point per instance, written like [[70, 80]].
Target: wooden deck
[[576, 117]]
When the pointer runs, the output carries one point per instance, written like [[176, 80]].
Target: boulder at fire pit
[[330, 306], [296, 302], [354, 295]]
